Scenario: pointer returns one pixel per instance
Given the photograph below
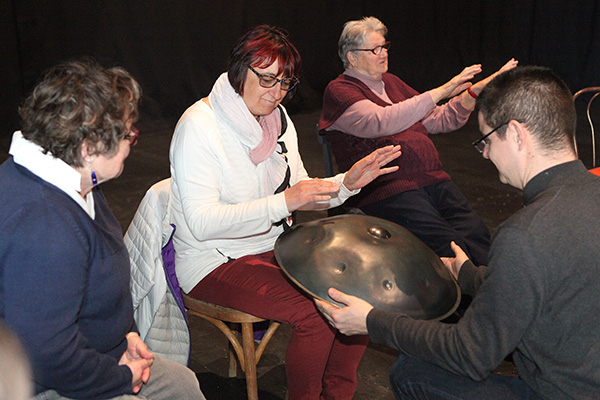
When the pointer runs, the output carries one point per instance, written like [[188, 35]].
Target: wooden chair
[[594, 91], [157, 223], [330, 170], [245, 350], [327, 157]]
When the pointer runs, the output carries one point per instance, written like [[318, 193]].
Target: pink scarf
[[260, 138], [271, 127]]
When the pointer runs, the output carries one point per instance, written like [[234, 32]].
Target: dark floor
[[148, 163]]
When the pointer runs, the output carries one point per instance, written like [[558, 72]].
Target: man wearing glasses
[[538, 298]]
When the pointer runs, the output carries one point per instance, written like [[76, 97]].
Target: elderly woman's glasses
[[268, 81], [480, 143], [133, 135], [377, 49]]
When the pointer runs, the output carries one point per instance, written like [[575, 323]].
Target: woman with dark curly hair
[[64, 269], [237, 176]]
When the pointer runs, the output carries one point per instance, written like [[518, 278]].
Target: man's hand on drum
[[455, 263], [351, 319]]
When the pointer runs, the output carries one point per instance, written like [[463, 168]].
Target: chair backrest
[[157, 302], [594, 91], [327, 158]]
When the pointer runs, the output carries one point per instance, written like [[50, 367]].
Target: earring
[[94, 180]]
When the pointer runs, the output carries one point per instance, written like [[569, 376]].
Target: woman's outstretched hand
[[311, 194], [370, 167], [478, 87], [461, 82], [314, 194], [455, 85]]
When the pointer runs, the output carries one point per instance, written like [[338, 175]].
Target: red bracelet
[[472, 93]]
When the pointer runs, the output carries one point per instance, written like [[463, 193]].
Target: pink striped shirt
[[369, 120]]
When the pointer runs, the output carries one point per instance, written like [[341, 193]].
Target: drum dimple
[[340, 268], [387, 284], [310, 240], [379, 232]]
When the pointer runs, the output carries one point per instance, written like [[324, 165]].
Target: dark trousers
[[413, 379], [437, 214]]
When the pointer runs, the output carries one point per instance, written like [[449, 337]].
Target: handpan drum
[[371, 258]]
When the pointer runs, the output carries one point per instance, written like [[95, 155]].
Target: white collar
[[53, 170]]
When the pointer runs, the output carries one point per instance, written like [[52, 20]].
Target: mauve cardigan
[[419, 164]]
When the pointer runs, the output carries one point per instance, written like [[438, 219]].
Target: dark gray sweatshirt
[[538, 299]]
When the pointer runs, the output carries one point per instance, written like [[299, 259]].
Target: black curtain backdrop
[[177, 48]]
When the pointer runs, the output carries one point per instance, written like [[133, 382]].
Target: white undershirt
[[53, 170]]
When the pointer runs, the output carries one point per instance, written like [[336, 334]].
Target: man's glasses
[[377, 49], [133, 135], [268, 81], [480, 143]]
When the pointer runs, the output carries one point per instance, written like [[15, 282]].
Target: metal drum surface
[[371, 258]]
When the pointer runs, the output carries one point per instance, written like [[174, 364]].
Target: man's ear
[[518, 133]]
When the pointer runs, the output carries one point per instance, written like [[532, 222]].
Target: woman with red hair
[[237, 177]]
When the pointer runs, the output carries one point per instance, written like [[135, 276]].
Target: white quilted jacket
[[160, 321]]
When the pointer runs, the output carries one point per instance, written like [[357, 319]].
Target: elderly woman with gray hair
[[366, 108]]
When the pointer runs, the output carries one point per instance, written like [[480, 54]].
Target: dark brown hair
[[536, 97], [80, 102]]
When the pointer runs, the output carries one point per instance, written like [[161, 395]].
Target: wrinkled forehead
[[372, 39]]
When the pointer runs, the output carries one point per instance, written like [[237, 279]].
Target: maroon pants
[[320, 362]]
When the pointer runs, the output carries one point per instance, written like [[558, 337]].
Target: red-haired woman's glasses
[[133, 135], [268, 81]]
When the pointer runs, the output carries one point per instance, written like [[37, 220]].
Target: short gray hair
[[354, 34]]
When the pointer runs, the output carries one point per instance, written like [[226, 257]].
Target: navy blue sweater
[[64, 286]]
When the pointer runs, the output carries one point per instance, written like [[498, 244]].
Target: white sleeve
[[198, 167]]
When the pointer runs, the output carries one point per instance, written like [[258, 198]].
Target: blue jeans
[[412, 378]]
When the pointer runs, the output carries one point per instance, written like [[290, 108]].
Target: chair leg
[[265, 339], [249, 366], [233, 368]]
